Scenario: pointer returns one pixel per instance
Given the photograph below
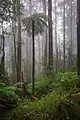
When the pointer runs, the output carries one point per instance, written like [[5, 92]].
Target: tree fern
[[40, 23]]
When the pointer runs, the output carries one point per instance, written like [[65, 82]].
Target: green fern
[[40, 23]]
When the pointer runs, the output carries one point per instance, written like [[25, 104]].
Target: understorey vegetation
[[57, 98]]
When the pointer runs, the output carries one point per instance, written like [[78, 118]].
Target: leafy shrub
[[8, 97], [56, 105], [19, 89], [65, 81], [23, 90], [35, 110], [60, 82], [2, 84], [43, 86], [52, 107], [4, 79]]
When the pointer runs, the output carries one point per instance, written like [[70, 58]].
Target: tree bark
[[50, 35], [56, 37], [45, 38], [78, 42], [19, 44], [14, 64], [33, 60], [3, 56], [71, 62], [64, 35]]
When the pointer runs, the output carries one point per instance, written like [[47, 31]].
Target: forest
[[39, 59]]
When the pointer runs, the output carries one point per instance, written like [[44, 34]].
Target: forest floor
[[58, 99]]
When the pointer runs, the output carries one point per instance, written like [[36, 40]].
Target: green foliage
[[48, 83], [19, 89], [61, 99], [2, 84], [43, 86], [60, 82], [65, 81], [51, 107], [8, 97], [40, 23], [33, 111], [4, 79]]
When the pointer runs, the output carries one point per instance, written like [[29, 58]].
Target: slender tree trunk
[[78, 42], [64, 36], [71, 62], [45, 38], [14, 53], [33, 60], [14, 43], [0, 53], [59, 54], [27, 59], [74, 35], [50, 35], [30, 49], [39, 54], [3, 56], [56, 37], [30, 7], [19, 44], [13, 66]]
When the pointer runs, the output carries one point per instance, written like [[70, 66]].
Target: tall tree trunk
[[59, 54], [50, 35], [19, 44], [71, 62], [33, 60], [56, 36], [45, 38], [78, 42], [29, 48], [30, 7], [14, 53], [13, 66], [3, 56], [39, 54], [64, 35], [27, 59], [14, 56]]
